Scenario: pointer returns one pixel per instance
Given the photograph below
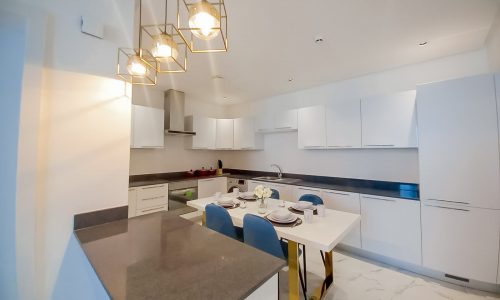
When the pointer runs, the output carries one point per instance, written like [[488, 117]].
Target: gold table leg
[[293, 271], [204, 219], [327, 282]]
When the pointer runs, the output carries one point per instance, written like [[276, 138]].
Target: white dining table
[[323, 233]]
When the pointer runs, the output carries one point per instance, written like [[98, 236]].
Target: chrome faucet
[[280, 172]]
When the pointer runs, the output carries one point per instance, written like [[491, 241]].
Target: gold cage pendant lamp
[[137, 66], [203, 25], [166, 45]]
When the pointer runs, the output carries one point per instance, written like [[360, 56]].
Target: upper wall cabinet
[[264, 122], [285, 120], [224, 137], [147, 127], [389, 121], [205, 132], [312, 127], [458, 142], [245, 137], [343, 124]]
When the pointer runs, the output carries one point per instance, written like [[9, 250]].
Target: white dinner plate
[[292, 218]]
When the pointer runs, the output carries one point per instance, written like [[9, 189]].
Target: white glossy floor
[[361, 279]]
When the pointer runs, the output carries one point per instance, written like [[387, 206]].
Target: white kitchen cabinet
[[389, 121], [147, 127], [299, 191], [461, 241], [347, 202], [391, 227], [208, 187], [285, 120], [224, 137], [458, 142], [312, 127], [245, 137], [264, 122], [205, 129], [343, 124], [147, 199], [286, 191]]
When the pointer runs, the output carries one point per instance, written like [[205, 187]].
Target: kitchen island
[[163, 256]]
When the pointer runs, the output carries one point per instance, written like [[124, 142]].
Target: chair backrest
[[315, 200], [275, 194], [218, 219], [260, 233]]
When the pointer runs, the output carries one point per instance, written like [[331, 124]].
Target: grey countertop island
[[163, 256]]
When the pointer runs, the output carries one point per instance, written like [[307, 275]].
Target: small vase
[[262, 206]]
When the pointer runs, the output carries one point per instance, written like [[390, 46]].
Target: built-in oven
[[180, 192]]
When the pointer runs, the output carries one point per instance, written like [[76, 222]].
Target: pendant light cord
[[140, 24], [166, 11]]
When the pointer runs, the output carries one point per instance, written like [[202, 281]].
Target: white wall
[[73, 140], [377, 164], [12, 35], [493, 45], [174, 157]]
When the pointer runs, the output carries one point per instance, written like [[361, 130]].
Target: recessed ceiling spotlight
[[290, 79], [217, 77], [423, 43], [319, 40], [226, 98]]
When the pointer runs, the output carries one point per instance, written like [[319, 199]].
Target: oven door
[[181, 192]]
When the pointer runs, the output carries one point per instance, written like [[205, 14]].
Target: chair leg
[[304, 291], [305, 265]]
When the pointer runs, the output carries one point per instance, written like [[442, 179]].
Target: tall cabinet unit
[[459, 177], [389, 121]]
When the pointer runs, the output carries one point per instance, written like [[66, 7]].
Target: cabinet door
[[312, 127], [264, 122], [389, 121], [299, 191], [343, 123], [347, 202], [391, 227], [285, 120], [147, 127], [458, 137], [461, 241], [208, 187], [244, 134], [152, 196], [224, 134], [205, 132], [132, 198]]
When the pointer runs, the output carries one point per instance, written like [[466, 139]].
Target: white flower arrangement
[[262, 192]]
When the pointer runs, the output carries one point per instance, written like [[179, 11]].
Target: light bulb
[[165, 48], [136, 67], [205, 17]]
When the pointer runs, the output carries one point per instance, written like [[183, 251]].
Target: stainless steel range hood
[[174, 113]]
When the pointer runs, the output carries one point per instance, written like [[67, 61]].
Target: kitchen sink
[[278, 180]]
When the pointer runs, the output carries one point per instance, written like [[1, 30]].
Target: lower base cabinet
[[347, 202], [147, 199], [300, 191], [461, 241], [208, 187], [391, 227]]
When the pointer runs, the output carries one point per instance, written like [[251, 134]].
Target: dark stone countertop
[[409, 191], [163, 256]]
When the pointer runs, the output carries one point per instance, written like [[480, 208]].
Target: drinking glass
[[217, 196], [321, 210], [236, 192], [308, 215]]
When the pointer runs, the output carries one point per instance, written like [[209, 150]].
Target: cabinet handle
[[337, 193], [380, 145], [151, 209], [377, 198], [448, 201], [212, 179], [152, 198], [284, 127], [201, 148], [314, 147], [153, 187], [246, 148], [340, 146], [452, 208]]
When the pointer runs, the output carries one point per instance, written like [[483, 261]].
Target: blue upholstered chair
[[275, 194], [260, 233], [315, 200], [218, 219]]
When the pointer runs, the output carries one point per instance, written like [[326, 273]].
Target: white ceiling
[[273, 40]]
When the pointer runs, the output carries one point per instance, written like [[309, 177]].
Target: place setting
[[226, 202], [283, 218], [303, 206]]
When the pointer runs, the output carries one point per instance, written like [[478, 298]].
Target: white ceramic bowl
[[225, 200], [282, 214]]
